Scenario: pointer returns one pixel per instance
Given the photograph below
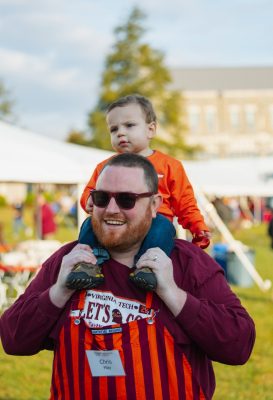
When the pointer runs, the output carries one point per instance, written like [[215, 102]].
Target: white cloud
[[54, 124], [38, 70]]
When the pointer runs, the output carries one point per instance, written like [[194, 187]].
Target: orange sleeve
[[183, 201], [177, 192], [91, 184]]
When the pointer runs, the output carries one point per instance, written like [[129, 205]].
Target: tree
[[77, 137], [133, 66], [6, 104]]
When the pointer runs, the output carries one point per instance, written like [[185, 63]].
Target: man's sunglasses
[[125, 200]]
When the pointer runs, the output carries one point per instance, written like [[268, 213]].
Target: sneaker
[[85, 276], [144, 278]]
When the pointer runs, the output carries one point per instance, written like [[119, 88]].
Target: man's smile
[[114, 222]]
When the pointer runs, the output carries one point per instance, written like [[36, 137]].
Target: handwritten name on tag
[[105, 363]]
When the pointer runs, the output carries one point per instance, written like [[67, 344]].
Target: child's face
[[129, 131]]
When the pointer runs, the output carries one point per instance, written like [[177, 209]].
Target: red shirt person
[[47, 218]]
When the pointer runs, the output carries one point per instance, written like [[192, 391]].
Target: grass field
[[28, 378]]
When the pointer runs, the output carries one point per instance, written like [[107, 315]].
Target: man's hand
[[59, 293], [167, 289], [89, 205]]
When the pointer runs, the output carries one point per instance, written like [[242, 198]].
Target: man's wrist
[[174, 298], [59, 296]]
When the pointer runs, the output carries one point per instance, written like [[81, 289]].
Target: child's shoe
[[85, 276], [144, 278]]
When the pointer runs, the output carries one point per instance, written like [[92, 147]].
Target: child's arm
[[86, 200], [89, 205], [186, 208], [202, 239]]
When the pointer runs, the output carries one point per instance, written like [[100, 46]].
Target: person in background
[[3, 244], [18, 220], [48, 225], [132, 124], [117, 342], [270, 229]]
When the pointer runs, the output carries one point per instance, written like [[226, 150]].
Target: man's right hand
[[59, 293]]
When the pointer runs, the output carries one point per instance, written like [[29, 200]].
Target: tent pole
[[264, 285], [258, 209], [37, 212]]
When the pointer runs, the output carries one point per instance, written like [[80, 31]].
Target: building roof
[[222, 78]]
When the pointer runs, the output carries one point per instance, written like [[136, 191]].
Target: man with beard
[[164, 347]]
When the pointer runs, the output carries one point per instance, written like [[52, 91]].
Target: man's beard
[[132, 235]]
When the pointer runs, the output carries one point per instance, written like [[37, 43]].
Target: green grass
[[28, 378], [253, 380], [25, 378]]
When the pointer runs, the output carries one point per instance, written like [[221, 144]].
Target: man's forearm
[[216, 321], [59, 297], [26, 325], [174, 298]]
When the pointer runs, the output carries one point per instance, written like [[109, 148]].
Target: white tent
[[29, 157], [251, 176]]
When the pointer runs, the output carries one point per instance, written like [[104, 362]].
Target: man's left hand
[[167, 289]]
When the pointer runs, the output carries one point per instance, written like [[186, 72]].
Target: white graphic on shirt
[[103, 308], [160, 176]]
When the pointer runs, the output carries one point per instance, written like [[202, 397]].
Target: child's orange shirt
[[175, 188]]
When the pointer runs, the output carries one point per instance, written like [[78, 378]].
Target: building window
[[194, 119], [250, 117], [234, 117], [211, 119]]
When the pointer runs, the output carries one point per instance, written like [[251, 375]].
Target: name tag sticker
[[105, 363]]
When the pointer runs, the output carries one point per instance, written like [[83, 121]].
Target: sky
[[52, 52]]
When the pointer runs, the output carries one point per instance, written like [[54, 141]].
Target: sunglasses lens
[[126, 200], [100, 198]]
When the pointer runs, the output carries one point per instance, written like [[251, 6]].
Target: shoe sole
[[80, 280], [144, 280]]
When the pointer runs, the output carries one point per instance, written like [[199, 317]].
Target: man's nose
[[112, 206]]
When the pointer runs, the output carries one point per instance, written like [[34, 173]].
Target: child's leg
[[86, 235], [161, 234]]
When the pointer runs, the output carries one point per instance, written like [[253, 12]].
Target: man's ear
[[151, 129], [156, 203]]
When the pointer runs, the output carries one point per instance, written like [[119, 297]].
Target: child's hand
[[201, 239], [89, 205]]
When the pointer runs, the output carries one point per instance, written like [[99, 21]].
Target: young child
[[132, 124]]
